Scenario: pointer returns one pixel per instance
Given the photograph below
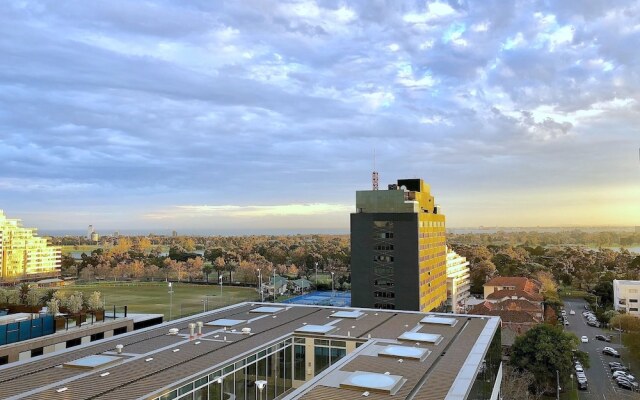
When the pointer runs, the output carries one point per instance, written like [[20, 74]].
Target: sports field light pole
[[557, 385], [260, 285], [170, 300], [332, 290], [274, 284], [220, 279], [316, 275]]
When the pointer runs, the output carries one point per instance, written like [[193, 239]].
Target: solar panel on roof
[[322, 329], [421, 337], [432, 319]]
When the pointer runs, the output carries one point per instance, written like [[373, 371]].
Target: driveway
[[601, 385]]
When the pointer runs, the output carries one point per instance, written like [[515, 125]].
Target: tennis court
[[337, 299]]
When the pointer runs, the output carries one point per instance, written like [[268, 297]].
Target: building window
[[97, 336], [633, 300], [37, 352], [74, 342], [120, 331], [322, 359], [633, 309], [4, 360], [298, 362]]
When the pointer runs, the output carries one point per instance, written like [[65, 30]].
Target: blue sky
[[265, 114]]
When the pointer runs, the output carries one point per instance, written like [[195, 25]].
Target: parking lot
[[601, 384]]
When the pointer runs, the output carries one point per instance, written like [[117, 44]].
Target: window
[[74, 342], [97, 336], [298, 363], [633, 300], [4, 360], [321, 358], [633, 309], [37, 352], [120, 331]]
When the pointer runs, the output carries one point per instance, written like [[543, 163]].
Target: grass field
[[154, 297]]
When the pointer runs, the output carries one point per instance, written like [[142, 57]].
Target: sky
[[265, 115]]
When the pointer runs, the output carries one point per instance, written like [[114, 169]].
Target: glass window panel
[[228, 386], [298, 363], [214, 390], [299, 340], [321, 342], [201, 381], [241, 384], [321, 358], [200, 394], [185, 388], [338, 343]]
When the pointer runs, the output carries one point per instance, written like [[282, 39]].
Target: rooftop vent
[[226, 323], [174, 331], [267, 310], [92, 362], [319, 329], [413, 353], [347, 314]]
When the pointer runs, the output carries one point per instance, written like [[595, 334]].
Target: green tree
[[545, 349]]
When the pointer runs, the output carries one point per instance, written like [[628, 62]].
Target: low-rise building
[[511, 283], [626, 296], [268, 351]]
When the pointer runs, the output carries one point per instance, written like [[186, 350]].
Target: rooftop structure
[[24, 255], [398, 252], [267, 351]]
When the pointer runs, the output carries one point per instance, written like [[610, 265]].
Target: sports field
[[154, 298]]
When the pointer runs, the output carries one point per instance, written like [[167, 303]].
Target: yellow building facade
[[24, 255]]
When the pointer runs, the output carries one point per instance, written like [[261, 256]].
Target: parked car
[[603, 338], [619, 368], [611, 351], [593, 323], [625, 380], [566, 322], [572, 312], [623, 374], [625, 384], [578, 367], [584, 339]]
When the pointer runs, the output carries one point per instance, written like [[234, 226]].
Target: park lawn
[[154, 298], [66, 250]]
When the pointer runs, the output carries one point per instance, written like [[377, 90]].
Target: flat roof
[[153, 360]]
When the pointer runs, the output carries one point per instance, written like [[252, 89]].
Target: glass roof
[[90, 362], [316, 329], [404, 352], [347, 314], [421, 337], [432, 319], [373, 381], [267, 310], [225, 322]]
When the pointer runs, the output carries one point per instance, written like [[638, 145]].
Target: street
[[601, 385]]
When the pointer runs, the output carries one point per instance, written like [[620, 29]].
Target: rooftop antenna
[[374, 175]]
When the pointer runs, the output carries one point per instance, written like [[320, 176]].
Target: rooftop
[[422, 355]]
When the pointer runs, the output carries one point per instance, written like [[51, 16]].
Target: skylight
[[267, 310], [91, 362], [320, 329], [432, 319], [381, 383], [226, 322], [413, 353], [421, 337], [347, 314]]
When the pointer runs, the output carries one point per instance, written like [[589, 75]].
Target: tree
[[206, 270], [545, 349], [604, 290], [517, 384], [53, 306], [479, 274], [74, 303], [23, 292], [94, 302], [626, 322]]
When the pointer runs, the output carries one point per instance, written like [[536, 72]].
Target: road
[[601, 385]]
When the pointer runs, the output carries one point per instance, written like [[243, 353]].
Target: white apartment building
[[626, 296], [458, 282]]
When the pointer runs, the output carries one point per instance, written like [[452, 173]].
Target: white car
[[624, 375], [572, 312], [584, 339]]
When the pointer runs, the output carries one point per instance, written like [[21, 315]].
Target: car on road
[[578, 367], [582, 381], [595, 324], [611, 352], [572, 312], [620, 368], [566, 321], [603, 338], [584, 339], [614, 365]]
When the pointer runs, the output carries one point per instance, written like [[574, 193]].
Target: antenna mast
[[374, 175]]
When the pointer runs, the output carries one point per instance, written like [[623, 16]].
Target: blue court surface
[[338, 299]]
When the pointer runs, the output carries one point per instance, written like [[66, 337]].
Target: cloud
[[139, 106]]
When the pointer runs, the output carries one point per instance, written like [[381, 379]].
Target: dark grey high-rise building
[[398, 251]]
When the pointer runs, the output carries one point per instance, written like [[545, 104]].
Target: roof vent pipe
[[174, 331], [200, 324], [192, 329], [119, 348]]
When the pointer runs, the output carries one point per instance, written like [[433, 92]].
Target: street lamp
[[261, 385], [316, 275], [557, 385], [220, 279], [260, 285], [332, 292], [170, 300], [274, 284]]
